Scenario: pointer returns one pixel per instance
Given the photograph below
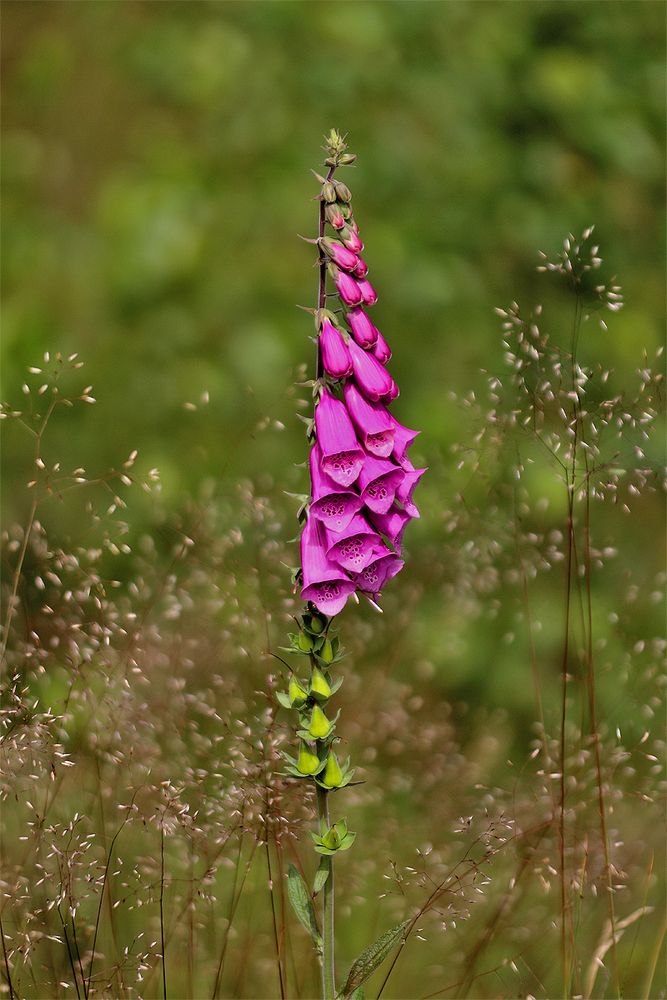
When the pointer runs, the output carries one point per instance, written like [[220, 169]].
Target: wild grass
[[147, 831]]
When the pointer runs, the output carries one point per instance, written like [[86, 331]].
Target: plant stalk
[[328, 912]]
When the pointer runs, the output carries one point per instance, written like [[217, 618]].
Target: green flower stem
[[328, 960]]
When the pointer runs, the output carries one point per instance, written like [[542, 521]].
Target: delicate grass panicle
[[152, 841]]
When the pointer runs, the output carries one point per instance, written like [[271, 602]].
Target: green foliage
[[372, 958], [302, 905]]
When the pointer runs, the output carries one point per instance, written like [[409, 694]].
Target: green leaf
[[370, 959], [302, 905], [321, 875], [283, 699]]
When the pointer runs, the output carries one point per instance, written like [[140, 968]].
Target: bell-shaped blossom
[[342, 457], [372, 378], [340, 255], [381, 350], [368, 294], [354, 547], [379, 481], [372, 579], [325, 584], [352, 240], [360, 269], [403, 438], [407, 486], [374, 423], [330, 504], [392, 525], [335, 355], [348, 289], [364, 332]]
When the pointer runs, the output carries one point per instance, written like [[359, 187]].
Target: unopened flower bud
[[334, 216], [328, 191], [347, 158], [320, 727], [308, 762], [343, 192], [296, 692], [326, 653], [333, 775], [317, 624], [351, 239], [340, 255], [320, 688], [304, 642], [360, 268]]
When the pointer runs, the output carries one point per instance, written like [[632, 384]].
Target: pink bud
[[368, 294], [360, 268], [363, 331], [382, 350], [374, 423], [335, 355], [348, 289], [335, 217], [351, 240], [372, 378], [393, 393], [340, 255]]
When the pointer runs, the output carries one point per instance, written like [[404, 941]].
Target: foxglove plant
[[360, 502]]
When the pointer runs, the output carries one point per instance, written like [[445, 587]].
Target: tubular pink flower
[[324, 583], [379, 481], [342, 457], [368, 294], [382, 351], [375, 425], [372, 579], [356, 546], [335, 355], [360, 268], [363, 331], [348, 289], [331, 505], [403, 438], [392, 525], [372, 378], [351, 240], [340, 255], [406, 488], [394, 391]]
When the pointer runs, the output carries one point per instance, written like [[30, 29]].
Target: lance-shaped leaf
[[302, 905], [372, 958]]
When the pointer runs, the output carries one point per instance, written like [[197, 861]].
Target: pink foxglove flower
[[403, 438], [406, 487], [342, 457], [330, 504], [348, 289], [368, 294], [360, 268], [382, 351], [351, 240], [372, 579], [375, 425], [392, 525], [324, 583], [379, 481], [356, 546], [333, 349], [340, 255], [372, 378], [363, 331]]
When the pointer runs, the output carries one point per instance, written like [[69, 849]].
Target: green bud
[[334, 835], [343, 192], [320, 727], [320, 689], [347, 158], [328, 192], [317, 624], [326, 653], [308, 762], [333, 775], [296, 692], [304, 642]]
